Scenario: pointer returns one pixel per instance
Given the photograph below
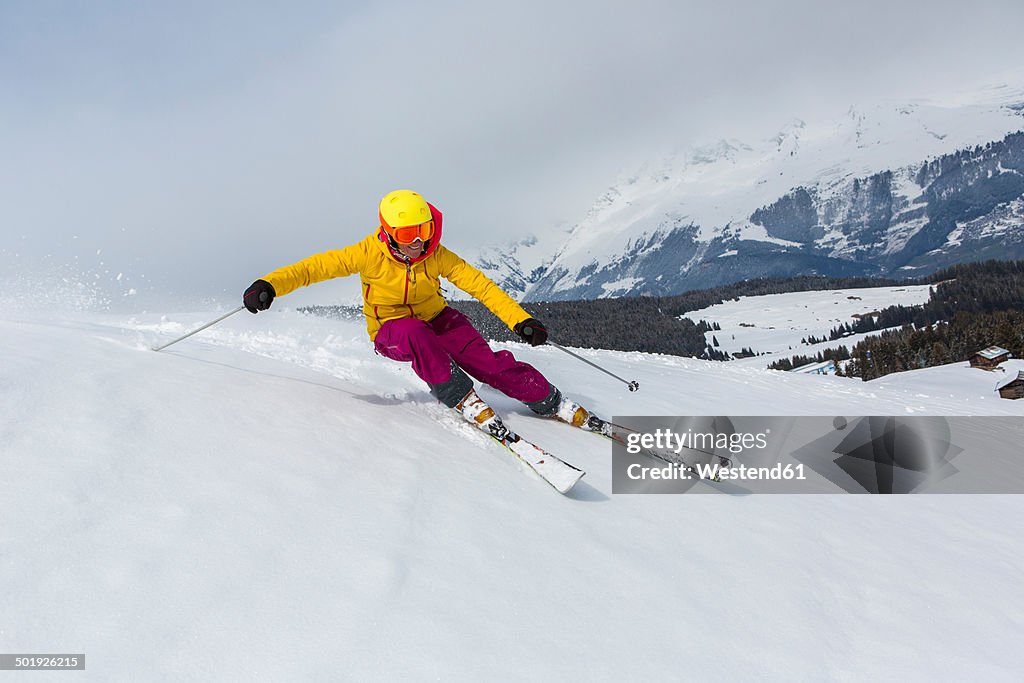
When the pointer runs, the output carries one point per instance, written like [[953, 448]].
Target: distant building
[[988, 359], [825, 368], [1014, 388]]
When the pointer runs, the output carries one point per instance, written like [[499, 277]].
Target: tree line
[[654, 324], [952, 341], [970, 306]]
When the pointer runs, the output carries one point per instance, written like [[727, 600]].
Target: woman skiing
[[400, 265]]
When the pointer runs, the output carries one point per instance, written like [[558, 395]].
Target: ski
[[555, 471], [561, 475]]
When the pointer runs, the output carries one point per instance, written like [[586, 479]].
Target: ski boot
[[475, 410], [564, 409], [576, 415]]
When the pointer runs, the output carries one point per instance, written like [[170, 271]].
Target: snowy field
[[776, 323], [270, 500]]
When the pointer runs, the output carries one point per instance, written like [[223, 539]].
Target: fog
[[176, 152]]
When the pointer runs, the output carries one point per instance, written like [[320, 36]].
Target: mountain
[[887, 190]]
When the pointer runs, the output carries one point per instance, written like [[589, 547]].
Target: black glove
[[258, 296], [532, 331]]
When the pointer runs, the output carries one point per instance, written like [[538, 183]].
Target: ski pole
[[212, 322], [633, 386]]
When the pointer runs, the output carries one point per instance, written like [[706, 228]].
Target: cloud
[[205, 145]]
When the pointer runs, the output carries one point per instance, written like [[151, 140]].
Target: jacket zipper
[[408, 272]]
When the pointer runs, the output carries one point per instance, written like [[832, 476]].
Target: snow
[[822, 368], [621, 285], [776, 323], [1006, 217], [954, 379], [269, 500], [751, 231]]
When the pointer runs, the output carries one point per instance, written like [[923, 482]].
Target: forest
[[971, 306]]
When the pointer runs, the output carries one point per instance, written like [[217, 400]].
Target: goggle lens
[[410, 233]]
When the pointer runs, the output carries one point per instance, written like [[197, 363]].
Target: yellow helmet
[[402, 208]]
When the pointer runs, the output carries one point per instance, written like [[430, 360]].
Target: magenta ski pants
[[451, 337]]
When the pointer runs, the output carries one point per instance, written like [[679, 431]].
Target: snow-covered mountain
[[269, 500], [890, 189]]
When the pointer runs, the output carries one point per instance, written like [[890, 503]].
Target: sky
[[184, 149]]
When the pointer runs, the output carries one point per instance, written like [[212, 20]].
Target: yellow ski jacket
[[394, 289]]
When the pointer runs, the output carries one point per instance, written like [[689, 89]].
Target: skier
[[400, 265]]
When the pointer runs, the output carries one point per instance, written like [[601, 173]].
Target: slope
[[271, 501]]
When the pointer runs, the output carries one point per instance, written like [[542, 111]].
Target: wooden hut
[[990, 358], [1014, 388]]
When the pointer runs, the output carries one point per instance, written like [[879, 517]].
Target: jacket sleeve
[[473, 282], [317, 268]]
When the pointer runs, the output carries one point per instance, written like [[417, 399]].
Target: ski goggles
[[407, 234]]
